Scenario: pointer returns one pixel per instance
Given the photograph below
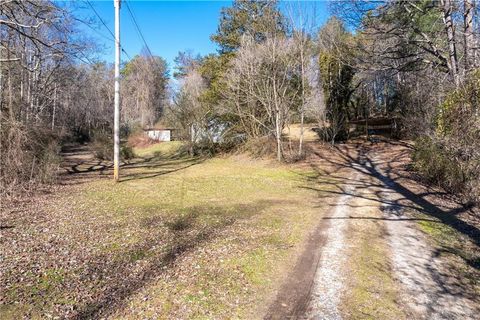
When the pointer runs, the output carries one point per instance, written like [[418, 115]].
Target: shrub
[[438, 166], [451, 157], [29, 155], [139, 140], [260, 147], [49, 160], [102, 146], [126, 152], [448, 168]]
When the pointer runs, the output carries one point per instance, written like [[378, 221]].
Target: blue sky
[[168, 26]]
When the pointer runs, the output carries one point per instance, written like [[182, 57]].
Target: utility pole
[[54, 106], [116, 117]]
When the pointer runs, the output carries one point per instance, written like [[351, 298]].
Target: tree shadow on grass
[[168, 240], [80, 170], [158, 168]]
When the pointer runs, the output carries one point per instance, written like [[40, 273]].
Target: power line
[[128, 56], [101, 20], [93, 29], [140, 34], [106, 27], [137, 27]]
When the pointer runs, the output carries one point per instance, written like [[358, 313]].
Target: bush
[[139, 140], [102, 146], [30, 155], [437, 165], [328, 135], [202, 148], [442, 162], [126, 152], [49, 160], [260, 147]]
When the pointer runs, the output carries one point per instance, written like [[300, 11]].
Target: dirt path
[[429, 290], [80, 165], [373, 261]]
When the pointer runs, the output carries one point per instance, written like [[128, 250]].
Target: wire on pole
[[106, 27]]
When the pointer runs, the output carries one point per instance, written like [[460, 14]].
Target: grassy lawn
[[178, 238]]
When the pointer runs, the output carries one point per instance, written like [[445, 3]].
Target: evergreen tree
[[257, 19]]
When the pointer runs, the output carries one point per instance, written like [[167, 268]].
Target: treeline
[[275, 68], [51, 92], [414, 62]]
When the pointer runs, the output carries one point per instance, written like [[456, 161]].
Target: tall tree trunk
[[278, 127], [302, 107], [469, 40], [450, 30], [10, 96], [278, 130], [278, 135], [54, 106], [192, 139]]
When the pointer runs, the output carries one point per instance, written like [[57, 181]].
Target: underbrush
[[266, 148], [102, 146], [260, 147], [448, 167], [450, 157], [29, 156], [139, 140]]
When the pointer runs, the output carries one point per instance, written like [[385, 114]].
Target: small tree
[[144, 89]]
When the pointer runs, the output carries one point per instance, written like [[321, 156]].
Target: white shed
[[159, 134]]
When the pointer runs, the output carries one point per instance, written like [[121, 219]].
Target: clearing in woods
[[346, 234]]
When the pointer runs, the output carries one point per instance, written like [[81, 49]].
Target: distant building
[[159, 134], [375, 125]]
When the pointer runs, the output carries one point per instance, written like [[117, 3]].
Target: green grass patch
[[372, 291], [168, 148]]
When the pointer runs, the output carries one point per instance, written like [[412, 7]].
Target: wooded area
[[52, 93]]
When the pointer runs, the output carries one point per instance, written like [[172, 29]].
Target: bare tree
[[190, 112], [303, 22], [260, 89], [37, 43], [145, 90], [447, 8], [469, 36]]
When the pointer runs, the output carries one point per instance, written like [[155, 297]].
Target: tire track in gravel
[[328, 284], [314, 289]]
